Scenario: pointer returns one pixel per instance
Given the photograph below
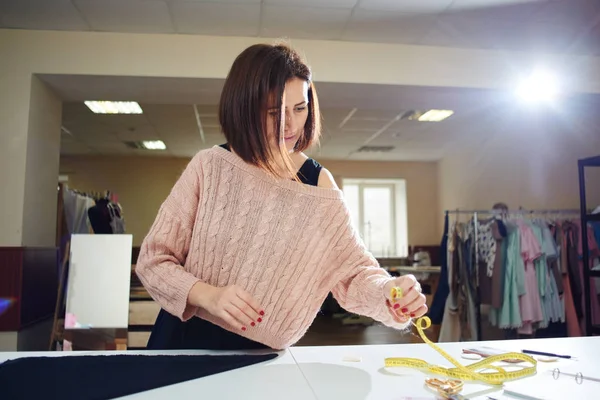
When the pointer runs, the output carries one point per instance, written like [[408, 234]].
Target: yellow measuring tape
[[483, 371]]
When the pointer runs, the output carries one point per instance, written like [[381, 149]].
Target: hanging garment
[[557, 305], [571, 233], [531, 309], [596, 228], [509, 315], [541, 272], [469, 306], [76, 208], [593, 253], [436, 311], [500, 233], [552, 307], [117, 223], [451, 324], [490, 286], [486, 243], [100, 217], [554, 258], [573, 328]]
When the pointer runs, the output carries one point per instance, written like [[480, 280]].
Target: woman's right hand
[[230, 303]]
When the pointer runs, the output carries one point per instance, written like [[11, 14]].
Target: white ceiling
[[571, 26], [345, 131], [354, 115]]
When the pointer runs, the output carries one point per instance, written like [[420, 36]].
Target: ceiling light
[[154, 145], [540, 86], [435, 115], [114, 107], [375, 149]]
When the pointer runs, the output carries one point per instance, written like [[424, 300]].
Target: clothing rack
[[519, 212], [63, 234], [586, 216]]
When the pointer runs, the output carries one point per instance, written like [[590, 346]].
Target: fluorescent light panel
[[435, 115], [154, 145], [114, 107]]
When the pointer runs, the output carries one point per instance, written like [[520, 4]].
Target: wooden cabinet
[[142, 315], [143, 312]]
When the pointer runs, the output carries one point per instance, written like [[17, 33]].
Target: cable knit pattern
[[227, 222]]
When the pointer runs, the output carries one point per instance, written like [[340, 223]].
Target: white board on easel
[[99, 281]]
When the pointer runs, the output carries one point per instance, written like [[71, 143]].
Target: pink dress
[[531, 308]]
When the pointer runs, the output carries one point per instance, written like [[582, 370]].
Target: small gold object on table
[[445, 387]]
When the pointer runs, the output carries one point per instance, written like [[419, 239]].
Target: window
[[378, 211]]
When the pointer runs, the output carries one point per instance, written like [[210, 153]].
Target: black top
[[308, 172]]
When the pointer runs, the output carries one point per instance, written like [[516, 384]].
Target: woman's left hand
[[411, 304]]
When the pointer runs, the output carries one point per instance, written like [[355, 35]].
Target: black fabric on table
[[107, 377]]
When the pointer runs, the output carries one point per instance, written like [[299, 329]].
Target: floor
[[329, 331]]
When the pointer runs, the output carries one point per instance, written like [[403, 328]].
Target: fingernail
[[243, 328], [262, 313], [396, 306], [259, 320], [412, 315], [404, 310], [253, 323]]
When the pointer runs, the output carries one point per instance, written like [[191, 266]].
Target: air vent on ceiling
[[409, 115], [375, 149], [134, 145]]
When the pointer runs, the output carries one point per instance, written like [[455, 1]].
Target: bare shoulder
[[326, 180]]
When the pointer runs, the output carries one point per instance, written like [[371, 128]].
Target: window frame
[[398, 212]]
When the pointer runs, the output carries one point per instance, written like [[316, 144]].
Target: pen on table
[[542, 353]]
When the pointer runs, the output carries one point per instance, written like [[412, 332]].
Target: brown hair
[[258, 75]]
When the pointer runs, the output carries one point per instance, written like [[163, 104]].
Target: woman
[[254, 234]]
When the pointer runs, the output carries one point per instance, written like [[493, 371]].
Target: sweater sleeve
[[165, 248], [361, 287]]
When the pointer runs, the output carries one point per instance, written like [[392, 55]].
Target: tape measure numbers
[[483, 370]]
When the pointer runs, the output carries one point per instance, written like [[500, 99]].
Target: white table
[[322, 373], [332, 378]]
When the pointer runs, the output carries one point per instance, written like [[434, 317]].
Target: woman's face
[[293, 116]]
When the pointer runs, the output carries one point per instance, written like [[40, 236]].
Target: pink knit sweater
[[288, 244]]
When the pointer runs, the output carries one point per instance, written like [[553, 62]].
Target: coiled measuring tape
[[483, 371]]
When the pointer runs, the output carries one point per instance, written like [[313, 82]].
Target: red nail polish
[[396, 306], [262, 313], [243, 328], [412, 315], [404, 310], [253, 323], [259, 320]]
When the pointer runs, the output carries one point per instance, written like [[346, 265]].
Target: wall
[[43, 154], [25, 53], [14, 119], [421, 191], [142, 184], [168, 55], [528, 159]]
